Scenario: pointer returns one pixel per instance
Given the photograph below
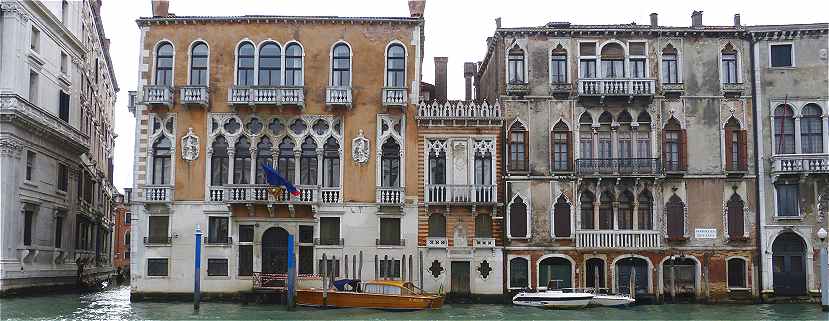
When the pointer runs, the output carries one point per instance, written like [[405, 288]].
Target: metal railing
[[460, 194], [339, 96], [395, 242], [269, 281], [194, 95], [518, 88], [733, 87], [483, 242], [160, 95], [329, 241], [158, 240], [394, 96], [390, 195], [647, 239], [158, 193], [437, 242], [224, 239], [800, 163], [616, 87], [618, 166]]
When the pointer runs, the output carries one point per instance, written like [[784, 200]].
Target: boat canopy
[[341, 284]]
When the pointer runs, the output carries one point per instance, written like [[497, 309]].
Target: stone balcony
[[17, 110], [673, 88], [390, 195], [194, 95], [260, 194], [338, 96], [260, 95], [618, 239], [158, 95], [394, 97], [561, 88], [446, 194], [518, 89], [800, 164], [459, 114], [157, 194], [437, 242], [616, 87], [732, 89], [618, 167]]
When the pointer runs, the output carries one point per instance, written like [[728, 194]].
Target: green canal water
[[114, 304]]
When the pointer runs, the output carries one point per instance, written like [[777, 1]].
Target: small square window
[[63, 177], [156, 267], [216, 267], [30, 165], [64, 63], [781, 56], [35, 40]]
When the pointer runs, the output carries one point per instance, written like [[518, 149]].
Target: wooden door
[[789, 265], [460, 278]]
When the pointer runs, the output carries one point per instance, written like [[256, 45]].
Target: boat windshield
[[412, 288]]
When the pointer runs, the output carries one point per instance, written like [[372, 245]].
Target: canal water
[[114, 304]]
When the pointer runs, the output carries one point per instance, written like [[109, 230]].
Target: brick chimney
[[469, 70], [440, 78], [416, 8], [654, 20], [161, 8], [737, 20], [498, 23], [696, 19]]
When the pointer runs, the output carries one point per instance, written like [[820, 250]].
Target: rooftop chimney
[[416, 8], [498, 23], [161, 8], [440, 78], [469, 69], [737, 20], [696, 19], [654, 20]]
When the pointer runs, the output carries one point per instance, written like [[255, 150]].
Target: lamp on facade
[[824, 270]]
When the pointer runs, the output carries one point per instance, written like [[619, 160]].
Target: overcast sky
[[454, 28]]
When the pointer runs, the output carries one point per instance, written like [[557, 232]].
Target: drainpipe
[[758, 198]]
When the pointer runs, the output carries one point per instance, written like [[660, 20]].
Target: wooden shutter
[[743, 141], [683, 150], [729, 133], [569, 150], [562, 219], [735, 222]]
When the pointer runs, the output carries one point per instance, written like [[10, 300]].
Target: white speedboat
[[555, 299], [612, 300]]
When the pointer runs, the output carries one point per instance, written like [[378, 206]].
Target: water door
[[460, 278], [789, 265]]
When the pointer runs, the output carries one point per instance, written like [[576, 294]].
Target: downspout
[[758, 172]]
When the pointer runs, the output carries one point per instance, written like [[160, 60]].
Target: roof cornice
[[145, 21]]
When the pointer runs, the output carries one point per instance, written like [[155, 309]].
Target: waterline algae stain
[[114, 304]]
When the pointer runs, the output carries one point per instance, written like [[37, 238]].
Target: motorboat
[[601, 297], [378, 294], [553, 298]]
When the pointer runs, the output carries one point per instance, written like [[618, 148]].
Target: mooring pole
[[291, 273], [197, 271]]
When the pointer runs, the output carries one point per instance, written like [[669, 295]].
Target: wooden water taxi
[[380, 294]]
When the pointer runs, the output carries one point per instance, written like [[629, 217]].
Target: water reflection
[[115, 305]]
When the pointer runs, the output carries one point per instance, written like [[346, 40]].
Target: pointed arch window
[[606, 211], [483, 167], [198, 64], [286, 162], [241, 161], [670, 69], [161, 161], [586, 136], [729, 65], [437, 225], [811, 130], [263, 157], [561, 218], [390, 164], [270, 65], [605, 139], [626, 211], [587, 200], [483, 226], [437, 166], [308, 162], [625, 136], [736, 217], [341, 65], [644, 215], [735, 146], [519, 160], [244, 64], [164, 65], [331, 163], [219, 162], [293, 65], [643, 135], [558, 66], [396, 66], [784, 130], [562, 147], [518, 218], [515, 65], [673, 150], [675, 210]]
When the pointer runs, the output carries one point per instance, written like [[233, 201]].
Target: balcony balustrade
[[518, 89], [616, 87], [392, 242], [800, 164], [158, 240], [218, 240], [390, 195], [483, 242], [733, 88], [437, 242], [158, 95], [194, 95], [673, 88], [618, 166], [559, 88], [330, 195], [605, 239], [459, 114], [266, 95], [338, 96], [460, 194], [394, 96], [158, 193], [329, 241], [251, 193]]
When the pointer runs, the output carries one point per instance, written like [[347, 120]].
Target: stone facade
[[57, 90]]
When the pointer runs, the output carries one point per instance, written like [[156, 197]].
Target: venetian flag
[[277, 180]]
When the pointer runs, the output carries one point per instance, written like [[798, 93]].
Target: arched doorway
[[679, 276], [595, 276], [789, 265], [632, 267], [275, 251], [556, 269]]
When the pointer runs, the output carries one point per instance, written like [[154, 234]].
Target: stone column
[[797, 142], [231, 152], [10, 169]]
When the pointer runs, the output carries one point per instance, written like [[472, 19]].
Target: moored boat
[[612, 300], [379, 294], [553, 299]]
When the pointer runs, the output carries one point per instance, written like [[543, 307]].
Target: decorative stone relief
[[484, 269], [360, 149], [10, 147], [436, 269], [190, 146]]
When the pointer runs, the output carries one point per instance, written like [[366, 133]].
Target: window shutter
[[729, 133], [743, 140], [569, 150], [683, 150], [562, 220]]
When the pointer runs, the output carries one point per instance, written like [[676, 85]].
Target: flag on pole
[[275, 179]]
